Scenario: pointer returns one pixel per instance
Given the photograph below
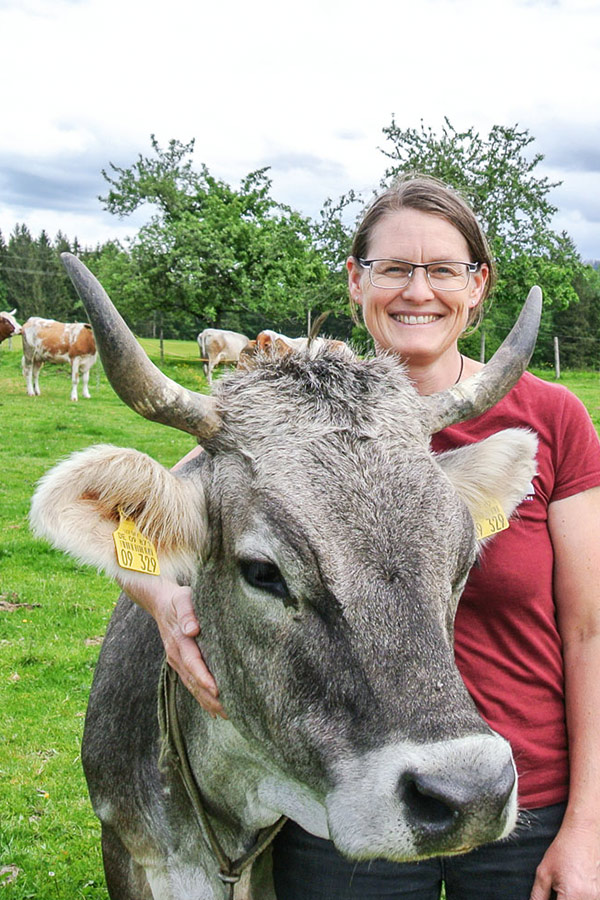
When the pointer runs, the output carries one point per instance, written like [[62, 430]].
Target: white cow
[[45, 340], [218, 346]]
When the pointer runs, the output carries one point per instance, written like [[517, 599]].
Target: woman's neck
[[441, 374]]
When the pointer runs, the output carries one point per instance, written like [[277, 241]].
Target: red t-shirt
[[507, 644]]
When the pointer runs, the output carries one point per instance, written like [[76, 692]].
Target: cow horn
[[481, 391], [137, 381]]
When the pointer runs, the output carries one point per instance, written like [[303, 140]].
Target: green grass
[[585, 384], [55, 612]]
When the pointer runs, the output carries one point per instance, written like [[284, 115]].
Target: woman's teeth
[[414, 320]]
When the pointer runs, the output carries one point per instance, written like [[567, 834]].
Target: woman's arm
[[171, 606], [571, 865]]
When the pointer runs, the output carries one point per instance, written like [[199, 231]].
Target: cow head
[[327, 548], [8, 325]]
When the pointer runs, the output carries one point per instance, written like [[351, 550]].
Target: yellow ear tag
[[490, 520], [134, 551]]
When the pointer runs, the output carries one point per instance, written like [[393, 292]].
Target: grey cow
[[327, 548]]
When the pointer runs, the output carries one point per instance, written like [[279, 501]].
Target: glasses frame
[[368, 263]]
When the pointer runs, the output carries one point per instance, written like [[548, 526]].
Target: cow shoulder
[[499, 467], [76, 507]]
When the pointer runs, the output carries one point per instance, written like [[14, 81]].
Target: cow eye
[[265, 576]]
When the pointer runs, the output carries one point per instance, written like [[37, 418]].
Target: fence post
[[556, 359], [482, 351]]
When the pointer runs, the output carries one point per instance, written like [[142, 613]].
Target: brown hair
[[429, 195]]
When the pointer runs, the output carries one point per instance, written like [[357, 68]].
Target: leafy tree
[[499, 179], [221, 255], [578, 326], [332, 235], [19, 271]]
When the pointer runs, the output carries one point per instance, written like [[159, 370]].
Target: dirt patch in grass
[[11, 603]]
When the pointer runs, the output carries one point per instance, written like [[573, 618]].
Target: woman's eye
[[264, 576], [445, 270], [395, 270]]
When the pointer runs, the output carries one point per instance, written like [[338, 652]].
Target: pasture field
[[53, 613]]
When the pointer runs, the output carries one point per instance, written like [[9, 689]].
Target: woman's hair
[[429, 195]]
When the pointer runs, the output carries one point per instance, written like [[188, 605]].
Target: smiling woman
[[529, 617], [410, 306]]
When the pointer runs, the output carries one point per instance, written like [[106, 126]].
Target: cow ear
[[76, 507], [498, 468]]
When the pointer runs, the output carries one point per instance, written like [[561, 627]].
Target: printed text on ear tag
[[134, 551], [490, 520]]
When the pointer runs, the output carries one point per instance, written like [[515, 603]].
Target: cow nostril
[[425, 805]]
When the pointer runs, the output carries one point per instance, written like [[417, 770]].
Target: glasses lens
[[448, 276], [390, 273]]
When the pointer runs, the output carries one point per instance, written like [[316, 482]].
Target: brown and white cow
[[45, 340], [218, 346], [272, 342], [8, 325]]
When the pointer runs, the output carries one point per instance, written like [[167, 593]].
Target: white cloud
[[306, 89]]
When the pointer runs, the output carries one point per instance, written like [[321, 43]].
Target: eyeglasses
[[442, 275]]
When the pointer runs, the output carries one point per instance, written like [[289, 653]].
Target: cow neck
[[173, 750]]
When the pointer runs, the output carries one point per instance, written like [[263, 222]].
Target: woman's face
[[417, 322]]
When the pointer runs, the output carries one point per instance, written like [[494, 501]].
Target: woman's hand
[[171, 606], [570, 869]]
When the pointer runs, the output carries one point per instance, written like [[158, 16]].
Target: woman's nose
[[418, 287]]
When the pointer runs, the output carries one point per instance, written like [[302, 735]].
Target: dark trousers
[[309, 868]]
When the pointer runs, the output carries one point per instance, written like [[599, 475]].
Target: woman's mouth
[[406, 319]]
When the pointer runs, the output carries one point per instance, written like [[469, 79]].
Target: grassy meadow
[[53, 613]]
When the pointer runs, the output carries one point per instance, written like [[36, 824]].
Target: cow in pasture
[[45, 340], [269, 338], [273, 342], [327, 547], [217, 346], [8, 325]]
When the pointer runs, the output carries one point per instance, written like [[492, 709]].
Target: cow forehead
[[352, 444], [363, 517], [306, 399]]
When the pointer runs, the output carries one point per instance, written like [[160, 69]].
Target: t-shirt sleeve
[[577, 462]]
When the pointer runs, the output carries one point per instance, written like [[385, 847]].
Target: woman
[[528, 627]]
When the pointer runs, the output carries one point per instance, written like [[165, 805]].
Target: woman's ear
[[355, 276], [478, 283]]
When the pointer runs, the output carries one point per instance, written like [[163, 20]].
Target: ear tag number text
[[134, 551], [491, 520]]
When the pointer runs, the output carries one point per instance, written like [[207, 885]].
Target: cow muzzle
[[407, 801]]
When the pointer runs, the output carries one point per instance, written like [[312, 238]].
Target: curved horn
[[136, 380], [481, 391]]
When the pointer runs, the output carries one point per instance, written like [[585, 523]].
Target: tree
[[578, 326], [219, 254], [19, 271], [499, 179], [3, 285]]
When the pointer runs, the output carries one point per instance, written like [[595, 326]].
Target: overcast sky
[[303, 87]]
